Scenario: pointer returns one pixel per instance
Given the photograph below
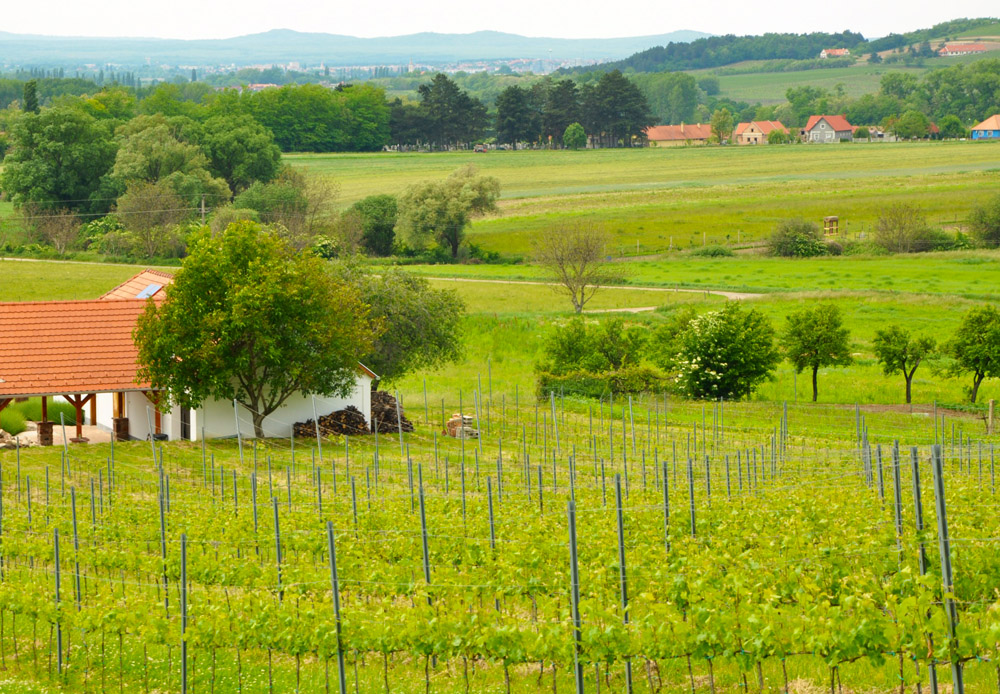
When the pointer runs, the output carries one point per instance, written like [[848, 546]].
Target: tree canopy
[[975, 347], [441, 210], [248, 318], [815, 338], [900, 352]]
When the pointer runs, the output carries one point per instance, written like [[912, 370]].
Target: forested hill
[[715, 51], [723, 50]]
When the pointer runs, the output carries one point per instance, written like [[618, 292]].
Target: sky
[[195, 19]]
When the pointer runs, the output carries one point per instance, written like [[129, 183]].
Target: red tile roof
[[58, 347], [991, 123], [131, 288], [764, 126], [963, 48], [838, 123], [665, 133], [837, 51]]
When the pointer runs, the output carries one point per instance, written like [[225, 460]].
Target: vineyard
[[647, 546]]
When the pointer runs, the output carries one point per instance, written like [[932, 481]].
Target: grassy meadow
[[655, 199]]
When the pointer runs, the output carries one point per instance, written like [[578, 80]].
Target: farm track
[[734, 296]]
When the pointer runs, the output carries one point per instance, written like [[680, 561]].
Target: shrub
[[630, 380], [796, 238], [864, 248], [902, 228], [985, 222], [714, 251], [608, 346], [32, 410], [12, 420], [834, 248], [726, 353]]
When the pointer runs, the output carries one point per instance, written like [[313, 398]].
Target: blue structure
[[989, 129]]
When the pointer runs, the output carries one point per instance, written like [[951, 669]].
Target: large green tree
[[421, 325], [248, 318], [975, 347], [442, 210], [815, 338], [29, 101], [615, 110], [240, 150], [451, 115], [561, 108], [378, 214], [56, 160], [518, 117], [900, 352], [985, 222]]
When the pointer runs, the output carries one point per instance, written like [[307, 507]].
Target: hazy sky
[[581, 19]]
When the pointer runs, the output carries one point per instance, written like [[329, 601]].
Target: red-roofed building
[[756, 132], [834, 53], [683, 134], [827, 129], [83, 352], [961, 49]]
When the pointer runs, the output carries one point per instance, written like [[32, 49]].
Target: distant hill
[[717, 51], [284, 45]]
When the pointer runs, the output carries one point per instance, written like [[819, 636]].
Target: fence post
[[574, 573], [944, 545], [423, 530], [666, 508], [918, 517], [58, 622], [184, 614], [622, 574], [691, 494], [335, 583], [277, 547]]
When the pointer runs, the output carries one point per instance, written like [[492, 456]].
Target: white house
[[83, 351]]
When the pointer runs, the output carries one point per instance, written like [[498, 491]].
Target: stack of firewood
[[384, 414], [349, 421]]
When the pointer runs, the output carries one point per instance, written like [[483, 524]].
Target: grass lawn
[[655, 199]]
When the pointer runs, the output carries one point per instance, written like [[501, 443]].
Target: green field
[[655, 199]]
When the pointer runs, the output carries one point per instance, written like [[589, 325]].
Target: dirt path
[[734, 296]]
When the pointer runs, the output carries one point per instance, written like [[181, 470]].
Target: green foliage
[[241, 151], [816, 338], [248, 318], [672, 96], [519, 118], [912, 124], [29, 102], [952, 128], [379, 214], [722, 125], [985, 222], [713, 251], [796, 238], [628, 380], [56, 160], [574, 137], [442, 210], [299, 207], [900, 352], [420, 327], [862, 133], [903, 228], [223, 216], [615, 112], [975, 347], [450, 115], [57, 410], [12, 420], [608, 346], [778, 137], [709, 84], [726, 353]]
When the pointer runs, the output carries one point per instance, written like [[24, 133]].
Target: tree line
[[730, 352]]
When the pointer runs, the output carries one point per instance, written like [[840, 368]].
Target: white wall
[[219, 418]]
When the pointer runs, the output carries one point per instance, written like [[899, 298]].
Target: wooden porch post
[[45, 408]]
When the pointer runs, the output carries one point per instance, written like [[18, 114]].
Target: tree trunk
[[976, 381], [815, 390], [258, 425], [909, 384]]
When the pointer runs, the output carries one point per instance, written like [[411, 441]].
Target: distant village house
[[989, 129], [675, 135], [827, 129], [834, 53], [756, 132], [950, 49]]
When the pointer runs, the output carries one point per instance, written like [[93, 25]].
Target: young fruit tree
[[575, 257], [975, 347], [900, 352], [814, 338], [250, 319]]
